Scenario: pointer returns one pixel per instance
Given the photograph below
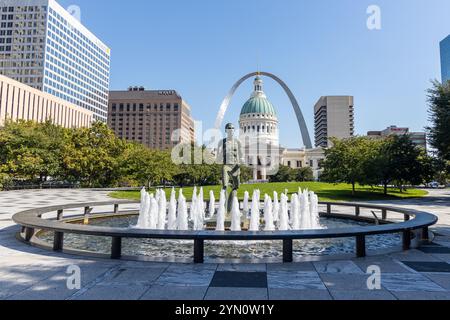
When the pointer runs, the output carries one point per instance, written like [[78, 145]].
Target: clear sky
[[322, 47]]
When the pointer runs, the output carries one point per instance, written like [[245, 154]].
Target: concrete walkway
[[30, 273]]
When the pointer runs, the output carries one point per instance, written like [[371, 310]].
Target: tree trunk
[[353, 189], [385, 189]]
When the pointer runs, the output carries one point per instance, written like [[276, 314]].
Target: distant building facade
[[21, 102], [45, 47], [445, 59], [418, 138], [151, 117], [333, 118], [304, 158]]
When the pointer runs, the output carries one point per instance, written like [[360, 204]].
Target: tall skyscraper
[[151, 117], [445, 59], [43, 46], [333, 118]]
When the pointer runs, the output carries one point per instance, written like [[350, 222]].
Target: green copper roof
[[258, 105]]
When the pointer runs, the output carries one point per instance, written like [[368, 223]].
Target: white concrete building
[[333, 118], [45, 47]]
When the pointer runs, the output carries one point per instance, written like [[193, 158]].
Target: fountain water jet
[[276, 207], [235, 215], [182, 218], [268, 214], [255, 214], [246, 208], [295, 212], [212, 204], [284, 216], [162, 210], [172, 216], [220, 225]]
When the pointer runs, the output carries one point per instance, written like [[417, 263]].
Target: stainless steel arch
[[298, 112]]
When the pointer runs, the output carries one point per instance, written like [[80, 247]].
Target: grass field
[[325, 191]]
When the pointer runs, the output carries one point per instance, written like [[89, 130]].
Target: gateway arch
[[300, 118]]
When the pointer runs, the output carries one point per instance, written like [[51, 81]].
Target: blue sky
[[322, 47]]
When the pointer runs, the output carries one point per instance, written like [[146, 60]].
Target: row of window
[[57, 48], [134, 107], [84, 85], [73, 91], [94, 49]]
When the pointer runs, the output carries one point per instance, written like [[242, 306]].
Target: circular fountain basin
[[110, 234], [223, 250]]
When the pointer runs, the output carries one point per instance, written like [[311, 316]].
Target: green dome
[[259, 105]]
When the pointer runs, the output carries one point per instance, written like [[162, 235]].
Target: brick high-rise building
[[151, 117]]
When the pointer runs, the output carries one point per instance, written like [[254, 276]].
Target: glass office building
[[445, 59], [45, 47]]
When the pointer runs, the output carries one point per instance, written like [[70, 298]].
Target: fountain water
[[255, 214], [220, 224], [246, 207], [201, 205], [182, 218], [295, 212], [276, 207], [284, 216], [300, 213], [212, 205], [153, 212], [162, 210], [172, 216], [268, 214], [235, 215]]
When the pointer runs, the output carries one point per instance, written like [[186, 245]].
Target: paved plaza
[[31, 273]]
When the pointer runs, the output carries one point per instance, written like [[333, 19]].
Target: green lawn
[[326, 192]]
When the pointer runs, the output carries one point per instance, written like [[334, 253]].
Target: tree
[[398, 161], [284, 174], [345, 161], [304, 174], [91, 156], [439, 132], [31, 151]]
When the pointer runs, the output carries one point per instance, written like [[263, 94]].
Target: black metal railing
[[32, 221]]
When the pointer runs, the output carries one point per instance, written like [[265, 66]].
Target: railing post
[[425, 234], [328, 208], [358, 211], [199, 251], [116, 248], [60, 215], [116, 209], [360, 246], [288, 255], [29, 233], [406, 240], [58, 241], [384, 214], [87, 212]]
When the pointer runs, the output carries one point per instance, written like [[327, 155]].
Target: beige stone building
[[333, 118], [157, 119], [22, 102], [303, 158]]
